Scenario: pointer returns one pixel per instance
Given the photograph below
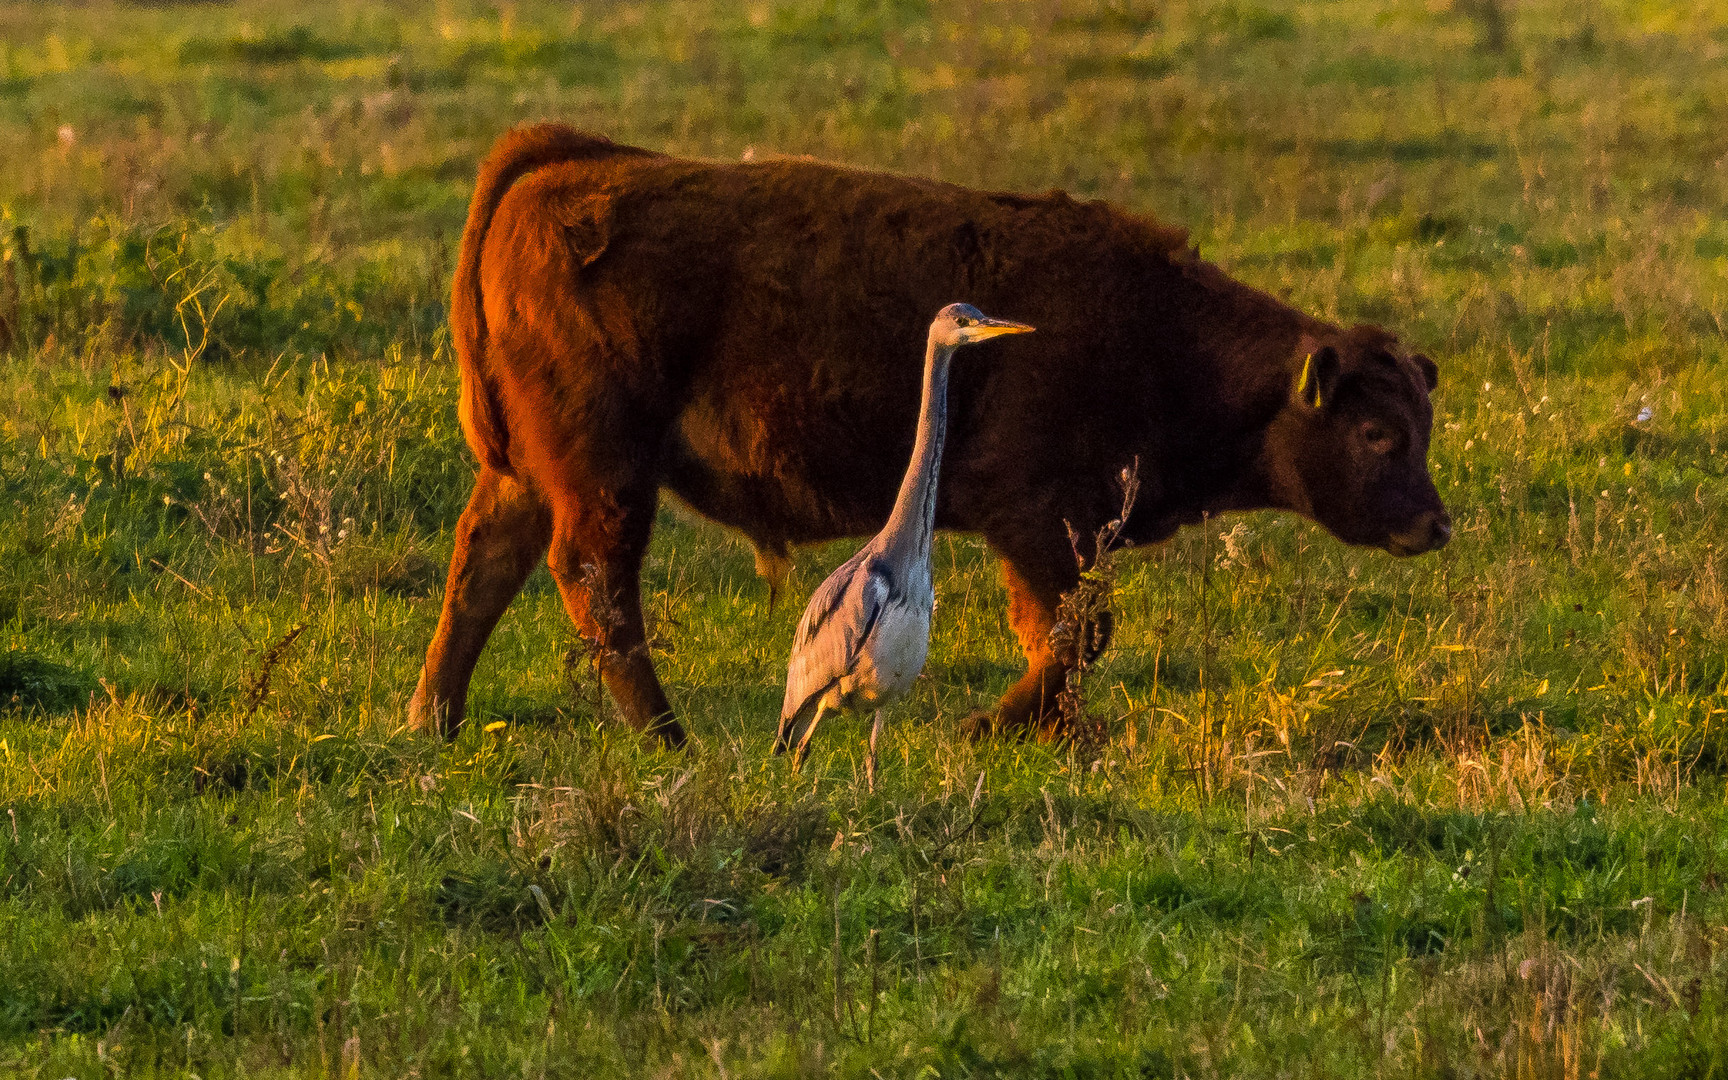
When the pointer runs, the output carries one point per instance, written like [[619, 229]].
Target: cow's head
[[1350, 448]]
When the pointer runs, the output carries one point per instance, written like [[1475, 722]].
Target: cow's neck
[[1239, 379]]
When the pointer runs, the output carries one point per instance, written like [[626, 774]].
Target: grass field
[[1456, 816]]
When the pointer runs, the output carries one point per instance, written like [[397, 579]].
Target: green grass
[[1457, 816]]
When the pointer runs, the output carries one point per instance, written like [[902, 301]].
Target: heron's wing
[[839, 596], [832, 633]]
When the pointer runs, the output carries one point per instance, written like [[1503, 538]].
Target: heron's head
[[963, 324]]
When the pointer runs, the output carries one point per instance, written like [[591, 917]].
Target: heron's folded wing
[[831, 635], [829, 598]]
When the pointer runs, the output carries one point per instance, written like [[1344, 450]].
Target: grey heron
[[866, 631]]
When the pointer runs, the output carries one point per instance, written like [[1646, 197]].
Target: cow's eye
[[1377, 437]]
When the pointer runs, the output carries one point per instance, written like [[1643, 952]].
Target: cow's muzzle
[[1427, 533]]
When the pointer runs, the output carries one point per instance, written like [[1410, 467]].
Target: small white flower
[[1487, 386], [1644, 415]]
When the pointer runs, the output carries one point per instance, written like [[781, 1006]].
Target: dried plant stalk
[[1083, 618]]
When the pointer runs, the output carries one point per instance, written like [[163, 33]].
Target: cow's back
[[772, 317]]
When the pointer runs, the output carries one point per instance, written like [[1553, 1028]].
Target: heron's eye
[[963, 321]]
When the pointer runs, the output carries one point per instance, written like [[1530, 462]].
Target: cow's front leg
[[1036, 583]]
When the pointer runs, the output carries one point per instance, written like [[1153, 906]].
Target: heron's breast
[[897, 650]]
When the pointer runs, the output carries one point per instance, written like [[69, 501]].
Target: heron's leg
[[870, 758], [596, 557], [500, 538]]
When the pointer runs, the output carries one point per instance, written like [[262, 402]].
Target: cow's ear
[[1430, 372], [1319, 377]]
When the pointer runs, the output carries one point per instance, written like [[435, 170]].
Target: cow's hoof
[[429, 717], [670, 733], [980, 725], [983, 724]]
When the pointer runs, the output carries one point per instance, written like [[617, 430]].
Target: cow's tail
[[517, 154]]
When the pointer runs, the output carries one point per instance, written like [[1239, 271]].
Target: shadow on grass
[[32, 682]]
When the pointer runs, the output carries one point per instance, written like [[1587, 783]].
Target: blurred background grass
[[1454, 816]]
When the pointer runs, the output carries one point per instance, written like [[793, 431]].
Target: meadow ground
[[1455, 816]]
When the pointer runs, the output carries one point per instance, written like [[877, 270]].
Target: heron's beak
[[985, 329]]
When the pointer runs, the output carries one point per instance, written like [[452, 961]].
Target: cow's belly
[[766, 481]]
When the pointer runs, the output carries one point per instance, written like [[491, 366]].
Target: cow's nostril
[[1439, 531]]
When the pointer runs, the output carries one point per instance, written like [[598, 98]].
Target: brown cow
[[749, 337]]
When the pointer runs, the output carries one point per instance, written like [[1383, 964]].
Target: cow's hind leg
[[598, 541], [500, 538]]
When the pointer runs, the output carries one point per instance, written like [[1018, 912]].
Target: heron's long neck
[[914, 517]]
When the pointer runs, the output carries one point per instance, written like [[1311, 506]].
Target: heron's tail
[[796, 731], [517, 154], [783, 737]]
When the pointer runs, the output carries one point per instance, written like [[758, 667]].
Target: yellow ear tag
[[1302, 381]]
